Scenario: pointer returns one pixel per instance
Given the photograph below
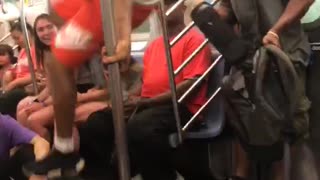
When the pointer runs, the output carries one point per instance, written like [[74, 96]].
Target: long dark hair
[[7, 50], [18, 27], [40, 47]]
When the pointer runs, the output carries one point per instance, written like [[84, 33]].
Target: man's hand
[[135, 101], [41, 148], [122, 53], [271, 38]]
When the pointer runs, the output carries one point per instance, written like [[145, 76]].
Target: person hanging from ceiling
[[80, 36]]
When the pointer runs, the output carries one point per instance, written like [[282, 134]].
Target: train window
[[140, 38], [143, 28]]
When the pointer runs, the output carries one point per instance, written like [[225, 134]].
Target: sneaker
[[56, 165]]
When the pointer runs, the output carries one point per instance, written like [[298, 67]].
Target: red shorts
[[82, 35]]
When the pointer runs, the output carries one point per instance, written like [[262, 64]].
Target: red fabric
[[66, 9], [84, 17], [155, 71]]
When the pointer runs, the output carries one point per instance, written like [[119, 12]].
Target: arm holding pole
[[123, 28]]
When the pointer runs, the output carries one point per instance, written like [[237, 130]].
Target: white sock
[[63, 145]]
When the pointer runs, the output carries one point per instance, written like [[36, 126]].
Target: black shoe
[[56, 165]]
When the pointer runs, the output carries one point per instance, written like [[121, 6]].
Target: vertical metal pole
[[115, 89], [170, 69], [28, 51]]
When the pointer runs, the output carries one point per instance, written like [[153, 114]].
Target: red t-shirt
[[155, 71]]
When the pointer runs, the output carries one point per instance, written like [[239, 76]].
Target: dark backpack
[[263, 119]]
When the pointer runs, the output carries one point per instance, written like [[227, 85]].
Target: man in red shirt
[[149, 129]]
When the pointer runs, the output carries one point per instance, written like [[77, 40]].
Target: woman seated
[[16, 78], [6, 59], [19, 76], [37, 112]]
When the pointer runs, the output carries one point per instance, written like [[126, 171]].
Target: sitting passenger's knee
[[136, 132], [22, 117]]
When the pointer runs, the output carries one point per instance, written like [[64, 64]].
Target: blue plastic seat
[[214, 115]]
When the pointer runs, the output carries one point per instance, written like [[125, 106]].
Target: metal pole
[[28, 51], [116, 90], [171, 70], [4, 11]]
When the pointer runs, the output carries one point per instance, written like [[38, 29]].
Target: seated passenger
[[14, 135], [150, 127], [44, 31], [40, 107], [62, 84], [6, 59], [19, 76]]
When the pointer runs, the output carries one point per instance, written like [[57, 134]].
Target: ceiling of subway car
[[10, 9]]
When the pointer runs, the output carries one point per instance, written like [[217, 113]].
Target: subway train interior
[[196, 136]]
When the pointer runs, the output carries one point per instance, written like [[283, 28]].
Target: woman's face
[[17, 36], [46, 30], [4, 59]]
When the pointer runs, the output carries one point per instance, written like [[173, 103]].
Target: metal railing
[[27, 46], [173, 73], [115, 83], [5, 37]]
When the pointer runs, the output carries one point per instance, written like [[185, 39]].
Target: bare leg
[[63, 91], [64, 160], [40, 120], [83, 111]]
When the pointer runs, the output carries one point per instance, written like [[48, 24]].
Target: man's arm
[[294, 11], [166, 97], [122, 12]]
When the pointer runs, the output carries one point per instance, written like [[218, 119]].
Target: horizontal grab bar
[[199, 79]]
